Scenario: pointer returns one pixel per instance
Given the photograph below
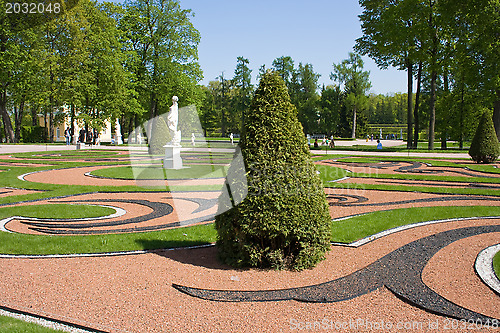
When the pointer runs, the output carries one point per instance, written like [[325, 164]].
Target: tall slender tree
[[242, 82], [356, 82], [392, 36]]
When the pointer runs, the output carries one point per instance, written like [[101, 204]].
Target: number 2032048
[[32, 8]]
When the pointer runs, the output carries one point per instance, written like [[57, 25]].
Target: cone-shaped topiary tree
[[283, 221], [484, 147], [160, 135]]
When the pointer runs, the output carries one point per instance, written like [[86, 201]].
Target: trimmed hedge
[[34, 134], [283, 221], [484, 147], [160, 136]]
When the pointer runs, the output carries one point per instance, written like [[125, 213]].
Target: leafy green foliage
[[160, 135], [32, 134], [484, 147], [283, 222], [356, 83]]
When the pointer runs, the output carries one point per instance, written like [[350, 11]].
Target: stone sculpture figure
[[172, 122]]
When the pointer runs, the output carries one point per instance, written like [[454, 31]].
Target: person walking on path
[[67, 135]]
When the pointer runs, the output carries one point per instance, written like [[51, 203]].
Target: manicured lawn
[[345, 231], [12, 325], [435, 162], [153, 172], [331, 173], [355, 228], [496, 264], [71, 154], [13, 243], [56, 211]]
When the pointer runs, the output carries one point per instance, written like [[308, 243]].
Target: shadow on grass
[[203, 256]]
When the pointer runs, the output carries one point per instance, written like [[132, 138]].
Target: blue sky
[[319, 32]]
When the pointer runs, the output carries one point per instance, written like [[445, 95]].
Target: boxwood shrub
[[484, 147], [283, 221]]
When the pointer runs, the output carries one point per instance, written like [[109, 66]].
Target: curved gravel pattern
[[484, 267], [132, 292]]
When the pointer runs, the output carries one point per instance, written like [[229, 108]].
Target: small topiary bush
[[160, 136], [484, 147], [283, 221]]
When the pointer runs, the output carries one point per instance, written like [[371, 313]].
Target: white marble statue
[[172, 122], [118, 133]]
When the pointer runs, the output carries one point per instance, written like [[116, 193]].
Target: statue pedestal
[[172, 158]]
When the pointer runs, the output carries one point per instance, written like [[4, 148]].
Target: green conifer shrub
[[160, 136], [283, 221], [484, 147]]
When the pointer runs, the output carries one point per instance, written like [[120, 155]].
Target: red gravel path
[[134, 293]]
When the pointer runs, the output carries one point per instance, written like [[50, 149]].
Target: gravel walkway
[[135, 293]]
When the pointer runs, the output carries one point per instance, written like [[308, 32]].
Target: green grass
[[402, 148], [355, 228], [152, 172], [56, 211], [71, 154], [434, 162], [13, 243], [331, 173], [345, 231], [12, 325], [496, 264], [420, 189]]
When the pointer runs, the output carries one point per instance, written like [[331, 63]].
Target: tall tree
[[242, 82], [356, 82], [392, 36], [223, 101], [103, 91], [330, 104], [305, 96], [285, 67], [476, 25], [166, 43]]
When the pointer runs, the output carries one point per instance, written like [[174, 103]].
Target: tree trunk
[[444, 131], [433, 65], [51, 107], [496, 115], [443, 140], [353, 133], [7, 123], [461, 120], [417, 105], [51, 125], [432, 115], [72, 124], [18, 119], [34, 115], [152, 114], [409, 139]]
